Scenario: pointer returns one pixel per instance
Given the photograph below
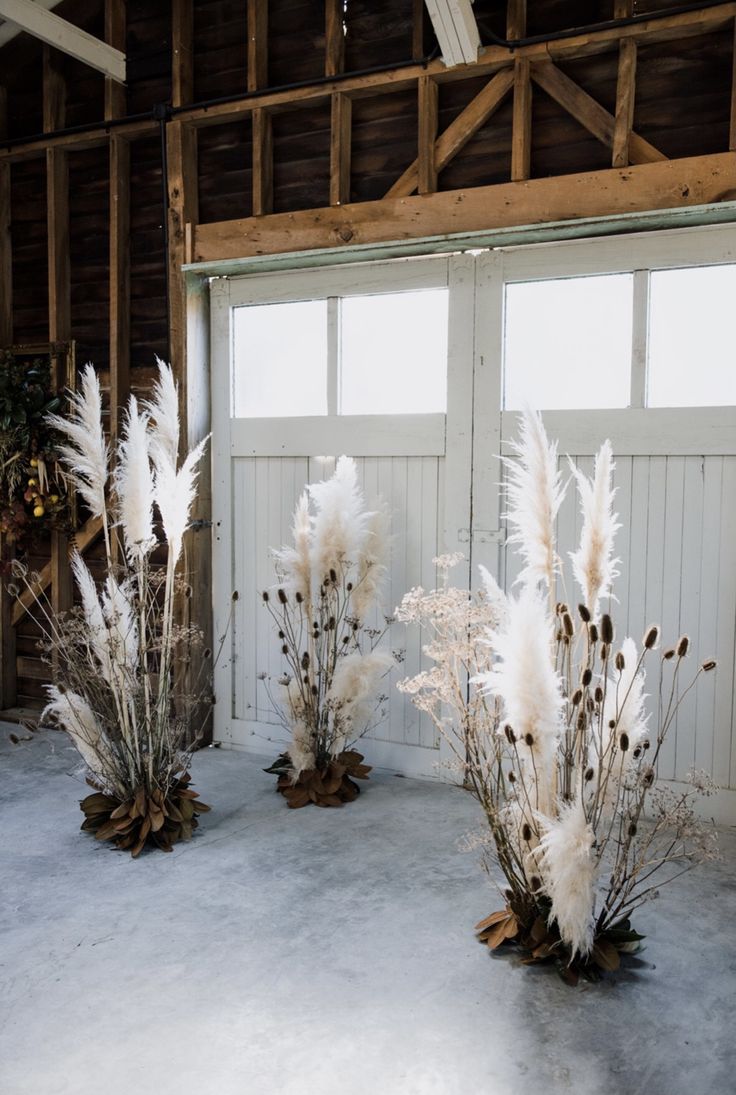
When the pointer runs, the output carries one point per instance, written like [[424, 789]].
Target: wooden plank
[[521, 140], [119, 275], [182, 66], [257, 44], [625, 95], [589, 113], [115, 24], [334, 38], [340, 148], [8, 677], [672, 184], [459, 132], [76, 142], [65, 36], [427, 135], [81, 540], [358, 434], [263, 163], [732, 122], [418, 14], [515, 19]]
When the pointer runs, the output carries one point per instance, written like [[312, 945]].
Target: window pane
[[280, 359], [394, 353], [567, 343], [692, 351]]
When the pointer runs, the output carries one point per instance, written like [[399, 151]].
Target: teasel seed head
[[526, 832], [306, 678], [645, 745], [284, 649], [623, 742], [281, 635], [265, 596], [606, 628], [298, 597], [632, 829], [349, 587], [584, 613], [581, 721], [682, 646], [333, 576], [577, 696], [611, 724], [331, 623], [598, 694], [509, 732], [589, 773], [650, 639], [346, 639], [620, 661], [587, 677], [568, 624], [668, 654], [305, 660], [605, 651], [512, 776], [282, 596], [709, 665], [637, 752], [315, 690], [593, 632], [590, 704], [234, 596], [529, 739]]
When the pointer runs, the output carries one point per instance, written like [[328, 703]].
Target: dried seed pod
[[535, 883], [349, 587], [590, 705], [315, 690], [605, 651], [648, 779], [510, 735], [282, 596], [577, 696], [512, 777], [529, 739], [637, 752], [709, 665], [606, 628], [623, 742], [584, 614], [264, 595], [593, 632], [589, 773], [669, 654], [284, 649], [305, 660], [587, 677], [298, 597], [650, 639], [281, 635], [682, 646], [568, 624], [598, 694], [645, 744], [526, 831], [333, 575], [620, 661], [235, 595], [632, 829], [581, 721]]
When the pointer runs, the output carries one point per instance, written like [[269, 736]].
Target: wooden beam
[[82, 539], [459, 132], [625, 96], [588, 112], [521, 139], [115, 25], [8, 671], [427, 135], [263, 163], [515, 19], [670, 184], [182, 61], [418, 12], [340, 152], [490, 60], [77, 142], [334, 38], [732, 125], [119, 274], [257, 44], [65, 36]]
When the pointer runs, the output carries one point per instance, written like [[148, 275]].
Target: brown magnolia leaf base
[[540, 942], [332, 785], [147, 819]]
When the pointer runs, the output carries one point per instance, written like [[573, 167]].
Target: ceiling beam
[[64, 36], [456, 30], [8, 31]]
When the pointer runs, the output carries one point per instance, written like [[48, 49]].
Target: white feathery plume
[[134, 485], [77, 718], [119, 612], [174, 492], [526, 681], [593, 564], [93, 614], [495, 596], [301, 753], [163, 409], [568, 868], [296, 562], [352, 694], [372, 561], [339, 526], [625, 698], [87, 453], [534, 493]]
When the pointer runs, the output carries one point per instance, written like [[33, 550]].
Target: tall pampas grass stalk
[[547, 718], [324, 609], [115, 692]]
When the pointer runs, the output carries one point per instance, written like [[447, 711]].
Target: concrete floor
[[322, 951]]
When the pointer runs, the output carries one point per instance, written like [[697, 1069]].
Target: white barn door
[[412, 448]]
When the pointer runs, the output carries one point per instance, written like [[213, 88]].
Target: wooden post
[[257, 44], [263, 163], [625, 90], [59, 280], [417, 30], [334, 38], [521, 140], [427, 135], [340, 135], [732, 126], [8, 676], [119, 240], [114, 36], [515, 19]]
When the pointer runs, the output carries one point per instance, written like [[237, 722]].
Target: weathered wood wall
[[300, 150]]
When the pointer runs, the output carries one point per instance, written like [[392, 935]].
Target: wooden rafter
[[334, 38], [625, 89], [666, 185], [459, 132], [340, 148], [732, 125], [427, 136], [262, 163], [595, 118], [257, 44], [65, 36], [114, 36], [521, 137], [515, 19]]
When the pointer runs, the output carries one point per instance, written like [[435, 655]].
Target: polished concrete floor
[[322, 951]]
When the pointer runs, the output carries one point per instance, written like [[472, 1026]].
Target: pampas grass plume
[[567, 863], [86, 455]]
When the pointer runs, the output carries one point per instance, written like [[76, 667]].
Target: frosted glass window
[[394, 353], [567, 343], [692, 344], [280, 359]]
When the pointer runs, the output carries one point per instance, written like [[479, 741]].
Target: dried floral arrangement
[[328, 585], [113, 656], [33, 494], [547, 718]]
